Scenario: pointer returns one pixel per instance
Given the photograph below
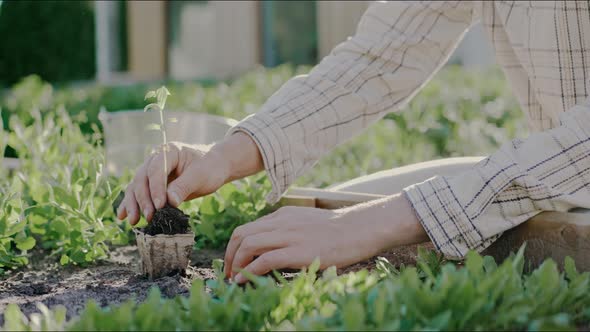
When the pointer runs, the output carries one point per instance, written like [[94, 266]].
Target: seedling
[[166, 243], [161, 95]]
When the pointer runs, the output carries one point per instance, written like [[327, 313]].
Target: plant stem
[[163, 130]]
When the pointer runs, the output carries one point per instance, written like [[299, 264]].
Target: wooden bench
[[548, 235]]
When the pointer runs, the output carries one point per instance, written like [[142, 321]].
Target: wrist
[[392, 222], [238, 156]]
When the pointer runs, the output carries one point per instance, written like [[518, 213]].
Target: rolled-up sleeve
[[549, 171], [398, 46]]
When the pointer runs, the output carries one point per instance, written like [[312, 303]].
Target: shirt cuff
[[274, 147], [445, 221]]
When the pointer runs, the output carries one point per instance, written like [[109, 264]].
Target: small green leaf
[[570, 268], [150, 94], [153, 126], [60, 226], [25, 244], [474, 263], [227, 191], [14, 319], [62, 196], [209, 205], [148, 107]]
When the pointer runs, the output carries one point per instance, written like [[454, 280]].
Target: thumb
[[181, 188]]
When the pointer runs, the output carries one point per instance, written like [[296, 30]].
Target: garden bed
[[61, 245], [117, 279]]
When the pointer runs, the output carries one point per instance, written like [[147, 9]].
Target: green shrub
[[54, 39]]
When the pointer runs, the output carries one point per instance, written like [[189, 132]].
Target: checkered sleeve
[[549, 171], [398, 46]]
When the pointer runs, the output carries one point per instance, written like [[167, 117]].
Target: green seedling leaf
[[62, 196], [26, 243], [153, 126], [151, 106], [64, 260], [570, 268], [161, 95], [150, 94], [209, 206]]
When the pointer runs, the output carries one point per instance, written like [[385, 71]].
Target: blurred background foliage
[[53, 39], [458, 113]]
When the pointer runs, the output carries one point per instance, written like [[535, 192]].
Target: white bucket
[[127, 140]]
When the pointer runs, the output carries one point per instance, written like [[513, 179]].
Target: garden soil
[[168, 220], [117, 279]]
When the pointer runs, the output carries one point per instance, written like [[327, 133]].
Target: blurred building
[[222, 39]]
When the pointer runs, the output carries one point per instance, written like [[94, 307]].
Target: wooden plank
[[326, 199], [553, 235], [293, 200]]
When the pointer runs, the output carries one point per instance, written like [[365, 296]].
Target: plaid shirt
[[544, 49]]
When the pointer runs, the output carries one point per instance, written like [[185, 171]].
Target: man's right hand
[[193, 171]]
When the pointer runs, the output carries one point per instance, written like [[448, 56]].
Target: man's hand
[[293, 237], [193, 171]]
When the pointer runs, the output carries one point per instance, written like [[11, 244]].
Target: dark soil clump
[[168, 220]]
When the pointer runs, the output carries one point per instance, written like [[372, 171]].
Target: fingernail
[[147, 210], [239, 278], [175, 198], [157, 203]]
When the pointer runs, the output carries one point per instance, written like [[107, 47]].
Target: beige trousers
[[392, 181]]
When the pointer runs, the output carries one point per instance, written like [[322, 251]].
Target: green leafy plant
[[15, 238], [215, 216], [480, 295], [59, 199]]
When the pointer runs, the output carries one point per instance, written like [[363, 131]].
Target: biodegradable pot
[[162, 255]]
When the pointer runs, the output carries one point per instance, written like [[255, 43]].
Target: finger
[[271, 260], [182, 187], [256, 245], [142, 195], [132, 208], [262, 225], [157, 174], [121, 211]]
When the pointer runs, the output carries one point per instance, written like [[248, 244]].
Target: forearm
[[548, 171], [373, 73], [240, 155], [391, 220]]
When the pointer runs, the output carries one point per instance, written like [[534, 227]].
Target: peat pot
[[162, 255]]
